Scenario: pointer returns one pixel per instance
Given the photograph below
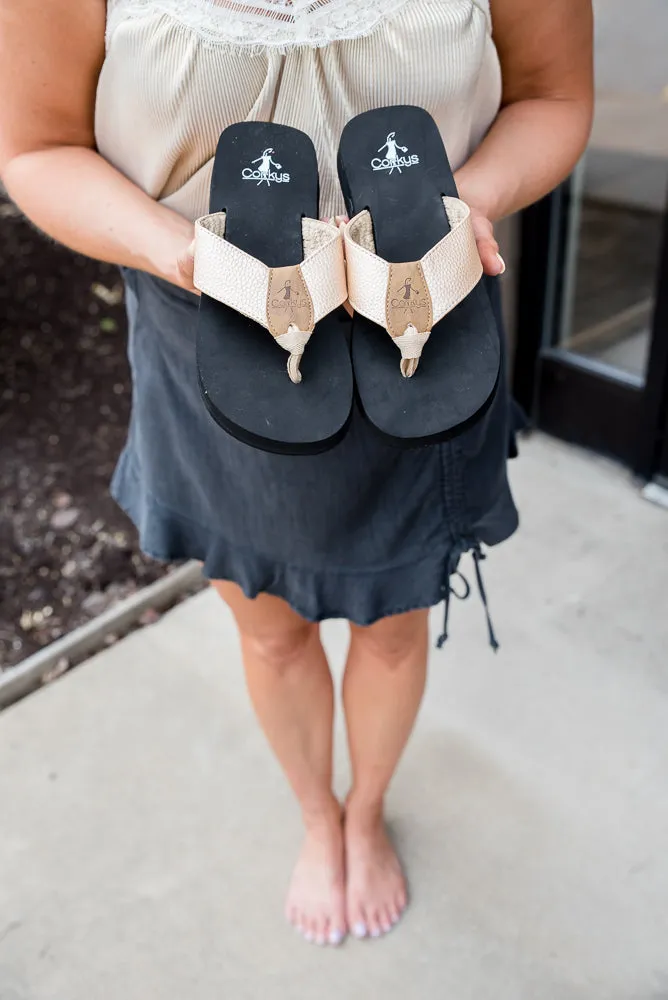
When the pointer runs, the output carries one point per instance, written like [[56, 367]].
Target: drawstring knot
[[448, 590]]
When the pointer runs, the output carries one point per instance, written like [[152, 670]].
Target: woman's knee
[[269, 628], [394, 640], [280, 647]]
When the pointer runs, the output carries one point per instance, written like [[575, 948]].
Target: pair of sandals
[[407, 261]]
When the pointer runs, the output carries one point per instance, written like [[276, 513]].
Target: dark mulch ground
[[66, 550]]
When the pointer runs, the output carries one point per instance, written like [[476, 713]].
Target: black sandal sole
[[458, 374], [241, 370]]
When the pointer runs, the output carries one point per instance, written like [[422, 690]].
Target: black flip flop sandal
[[413, 272], [271, 277]]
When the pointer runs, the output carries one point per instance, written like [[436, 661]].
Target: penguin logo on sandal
[[392, 160], [267, 170]]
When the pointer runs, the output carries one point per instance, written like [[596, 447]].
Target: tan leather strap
[[287, 301], [408, 299]]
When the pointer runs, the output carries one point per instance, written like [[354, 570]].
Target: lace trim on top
[[263, 23]]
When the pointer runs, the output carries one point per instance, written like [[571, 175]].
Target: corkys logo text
[[289, 298], [395, 157], [403, 298], [266, 172]]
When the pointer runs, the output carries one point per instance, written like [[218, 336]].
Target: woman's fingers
[[186, 267], [338, 220], [492, 261]]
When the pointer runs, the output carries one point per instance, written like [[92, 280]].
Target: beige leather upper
[[451, 269], [287, 301], [409, 299]]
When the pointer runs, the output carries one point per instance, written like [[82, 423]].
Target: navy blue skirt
[[361, 532]]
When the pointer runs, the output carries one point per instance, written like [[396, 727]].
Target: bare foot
[[316, 897], [376, 893]]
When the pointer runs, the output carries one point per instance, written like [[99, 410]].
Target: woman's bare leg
[[291, 688], [382, 689]]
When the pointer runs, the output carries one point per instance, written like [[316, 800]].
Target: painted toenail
[[308, 936], [336, 937], [375, 933], [359, 930]]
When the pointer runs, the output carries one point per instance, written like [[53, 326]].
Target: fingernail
[[336, 937], [359, 930], [502, 263]]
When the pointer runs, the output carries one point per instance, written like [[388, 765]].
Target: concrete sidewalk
[[146, 835]]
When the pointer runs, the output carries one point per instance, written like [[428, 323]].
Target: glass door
[[591, 360]]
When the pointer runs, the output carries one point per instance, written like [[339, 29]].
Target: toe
[[336, 936], [356, 920], [359, 927], [386, 921], [400, 900], [304, 927], [374, 923]]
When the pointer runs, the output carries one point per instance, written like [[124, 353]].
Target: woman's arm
[[50, 59], [545, 48]]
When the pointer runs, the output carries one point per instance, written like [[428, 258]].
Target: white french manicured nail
[[336, 937], [502, 263], [359, 930], [375, 933]]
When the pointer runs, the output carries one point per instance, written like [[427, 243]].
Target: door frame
[[580, 399]]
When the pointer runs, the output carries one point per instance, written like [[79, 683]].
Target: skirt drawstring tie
[[451, 570]]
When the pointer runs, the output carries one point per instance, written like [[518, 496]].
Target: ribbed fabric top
[[167, 90]]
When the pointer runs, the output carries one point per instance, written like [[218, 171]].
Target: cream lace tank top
[[177, 72]]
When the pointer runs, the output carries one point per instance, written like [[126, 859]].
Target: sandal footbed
[[242, 371], [458, 373]]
